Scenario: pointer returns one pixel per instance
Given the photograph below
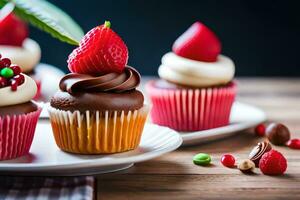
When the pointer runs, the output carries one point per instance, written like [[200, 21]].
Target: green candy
[[202, 159], [7, 72]]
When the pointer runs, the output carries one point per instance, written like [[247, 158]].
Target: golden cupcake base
[[100, 132]]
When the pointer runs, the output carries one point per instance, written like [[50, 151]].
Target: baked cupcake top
[[196, 60], [100, 78], [14, 41], [16, 90]]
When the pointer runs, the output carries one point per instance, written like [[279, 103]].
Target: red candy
[[14, 78], [228, 160], [5, 62], [13, 85], [17, 70], [273, 163], [20, 79], [260, 130], [3, 82], [293, 143]]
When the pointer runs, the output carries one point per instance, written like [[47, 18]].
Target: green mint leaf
[[48, 18]]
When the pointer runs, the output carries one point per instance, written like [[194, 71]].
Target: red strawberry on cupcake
[[196, 88], [198, 43], [100, 51], [13, 31], [102, 95]]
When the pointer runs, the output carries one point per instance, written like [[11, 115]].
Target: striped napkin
[[51, 188]]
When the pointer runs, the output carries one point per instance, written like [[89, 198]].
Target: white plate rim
[[22, 167], [236, 127]]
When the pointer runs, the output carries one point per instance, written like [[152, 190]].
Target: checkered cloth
[[39, 188]]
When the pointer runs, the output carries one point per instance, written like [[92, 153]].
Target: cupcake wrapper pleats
[[98, 132], [191, 109], [16, 134]]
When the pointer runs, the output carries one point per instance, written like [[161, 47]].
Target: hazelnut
[[278, 134], [246, 166]]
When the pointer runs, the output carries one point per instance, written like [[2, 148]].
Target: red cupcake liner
[[16, 134], [191, 109]]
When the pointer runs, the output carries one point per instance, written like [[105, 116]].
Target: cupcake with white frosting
[[18, 113], [196, 89], [16, 44]]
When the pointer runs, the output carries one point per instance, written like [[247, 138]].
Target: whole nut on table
[[278, 134], [246, 166]]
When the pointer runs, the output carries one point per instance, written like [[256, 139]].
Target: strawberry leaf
[[48, 18]]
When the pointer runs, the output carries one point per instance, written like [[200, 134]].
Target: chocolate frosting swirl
[[112, 92], [112, 82]]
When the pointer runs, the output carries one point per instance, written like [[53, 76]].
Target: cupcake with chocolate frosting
[[196, 88], [18, 113], [98, 108]]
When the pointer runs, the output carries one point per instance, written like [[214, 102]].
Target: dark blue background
[[262, 37]]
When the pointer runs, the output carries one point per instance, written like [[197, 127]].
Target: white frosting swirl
[[188, 72], [23, 94], [26, 56]]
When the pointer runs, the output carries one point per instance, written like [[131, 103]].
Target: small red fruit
[[6, 62], [17, 70], [3, 82], [13, 31], [293, 143], [198, 43], [260, 130], [10, 75], [273, 163], [228, 160], [20, 79], [100, 51], [13, 85]]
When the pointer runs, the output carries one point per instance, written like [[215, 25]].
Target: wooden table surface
[[174, 176]]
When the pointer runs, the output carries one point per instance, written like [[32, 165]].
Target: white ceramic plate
[[243, 116], [47, 160]]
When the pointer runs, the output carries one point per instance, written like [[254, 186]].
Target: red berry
[[3, 82], [5, 62], [20, 79], [13, 85], [293, 143], [13, 31], [100, 51], [260, 130], [228, 160], [17, 70], [273, 163], [1, 64], [198, 43]]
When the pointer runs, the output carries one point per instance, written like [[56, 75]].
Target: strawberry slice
[[101, 51], [198, 43], [13, 31]]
